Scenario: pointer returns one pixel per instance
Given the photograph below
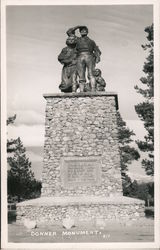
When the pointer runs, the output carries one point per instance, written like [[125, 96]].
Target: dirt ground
[[137, 231]]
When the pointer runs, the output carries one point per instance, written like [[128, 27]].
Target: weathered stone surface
[[86, 209], [81, 128], [81, 125], [68, 222], [29, 224]]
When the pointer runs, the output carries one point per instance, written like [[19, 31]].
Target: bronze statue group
[[80, 58]]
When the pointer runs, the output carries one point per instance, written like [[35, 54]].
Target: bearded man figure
[[88, 54], [68, 57]]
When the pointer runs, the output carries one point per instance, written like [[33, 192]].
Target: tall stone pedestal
[[81, 172], [81, 154]]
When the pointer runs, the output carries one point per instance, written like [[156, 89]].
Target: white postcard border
[[5, 244]]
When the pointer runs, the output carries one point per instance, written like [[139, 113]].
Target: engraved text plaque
[[80, 171]]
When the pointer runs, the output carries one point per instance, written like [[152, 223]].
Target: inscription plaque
[[80, 171]]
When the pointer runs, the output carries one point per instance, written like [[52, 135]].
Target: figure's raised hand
[[71, 31]]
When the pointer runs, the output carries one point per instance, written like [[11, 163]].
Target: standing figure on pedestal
[[68, 57], [88, 54]]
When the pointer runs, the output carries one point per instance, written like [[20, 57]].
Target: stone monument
[[81, 172]]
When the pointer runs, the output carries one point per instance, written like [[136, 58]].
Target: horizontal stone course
[[65, 201], [50, 210]]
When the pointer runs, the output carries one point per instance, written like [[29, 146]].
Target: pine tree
[[127, 153], [11, 120], [21, 181], [20, 175], [12, 142], [145, 110]]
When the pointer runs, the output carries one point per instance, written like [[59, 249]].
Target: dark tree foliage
[[11, 120], [143, 191], [21, 181], [20, 175], [151, 192], [140, 191], [11, 143], [145, 110], [127, 153]]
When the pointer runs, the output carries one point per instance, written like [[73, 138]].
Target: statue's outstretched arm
[[71, 31]]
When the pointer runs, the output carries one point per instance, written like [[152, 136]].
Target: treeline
[[21, 182], [145, 112], [143, 191]]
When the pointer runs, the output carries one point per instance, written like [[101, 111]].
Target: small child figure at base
[[100, 82]]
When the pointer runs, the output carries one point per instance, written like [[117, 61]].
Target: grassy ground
[[139, 231]]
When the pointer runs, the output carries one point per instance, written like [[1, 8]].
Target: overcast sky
[[35, 37]]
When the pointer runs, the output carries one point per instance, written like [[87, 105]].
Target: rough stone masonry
[[81, 173], [81, 126]]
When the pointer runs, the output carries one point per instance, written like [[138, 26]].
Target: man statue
[[68, 57], [88, 54]]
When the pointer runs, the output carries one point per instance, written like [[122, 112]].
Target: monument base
[[53, 210]]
